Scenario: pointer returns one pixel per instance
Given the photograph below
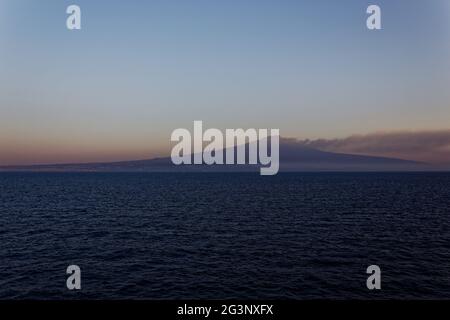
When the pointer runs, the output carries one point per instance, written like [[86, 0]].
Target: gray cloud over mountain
[[426, 146]]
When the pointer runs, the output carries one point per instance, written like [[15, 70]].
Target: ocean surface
[[219, 236]]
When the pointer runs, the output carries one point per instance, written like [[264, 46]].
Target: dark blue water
[[189, 236]]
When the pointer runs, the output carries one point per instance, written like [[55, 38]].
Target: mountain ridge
[[293, 157]]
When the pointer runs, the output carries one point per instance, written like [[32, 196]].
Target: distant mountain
[[293, 157], [298, 157]]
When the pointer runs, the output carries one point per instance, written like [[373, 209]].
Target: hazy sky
[[140, 69]]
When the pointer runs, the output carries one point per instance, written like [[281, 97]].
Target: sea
[[296, 236]]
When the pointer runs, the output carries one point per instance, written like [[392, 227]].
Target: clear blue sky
[[139, 69]]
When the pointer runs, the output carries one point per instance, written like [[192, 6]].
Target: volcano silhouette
[[293, 157]]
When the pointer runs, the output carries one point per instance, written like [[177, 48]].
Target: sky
[[137, 70]]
